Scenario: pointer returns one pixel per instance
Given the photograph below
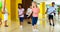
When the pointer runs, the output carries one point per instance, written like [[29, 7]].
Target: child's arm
[[46, 11], [3, 8]]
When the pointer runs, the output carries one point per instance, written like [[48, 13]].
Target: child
[[51, 11], [21, 14], [5, 17], [35, 11], [28, 14]]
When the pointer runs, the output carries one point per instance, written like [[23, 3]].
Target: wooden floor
[[15, 27]]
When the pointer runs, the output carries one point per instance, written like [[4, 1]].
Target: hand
[[3, 12]]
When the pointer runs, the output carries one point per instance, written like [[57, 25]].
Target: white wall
[[48, 1]]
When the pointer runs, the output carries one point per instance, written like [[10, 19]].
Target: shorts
[[5, 17], [34, 20], [50, 17], [21, 19]]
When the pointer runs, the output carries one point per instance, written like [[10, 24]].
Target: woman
[[35, 11]]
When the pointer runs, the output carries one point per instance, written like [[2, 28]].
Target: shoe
[[50, 24], [29, 22], [35, 30], [21, 27], [6, 25]]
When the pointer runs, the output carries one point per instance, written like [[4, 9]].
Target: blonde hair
[[34, 3]]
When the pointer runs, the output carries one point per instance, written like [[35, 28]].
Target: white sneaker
[[21, 27], [35, 30]]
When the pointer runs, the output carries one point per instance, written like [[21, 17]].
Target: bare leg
[[50, 22], [21, 23], [0, 21], [53, 22], [6, 24]]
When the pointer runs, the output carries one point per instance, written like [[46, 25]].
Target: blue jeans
[[34, 20]]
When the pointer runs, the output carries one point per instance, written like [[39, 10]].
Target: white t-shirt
[[6, 15], [50, 10], [21, 11], [29, 11]]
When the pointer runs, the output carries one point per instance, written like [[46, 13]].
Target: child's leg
[[21, 20], [52, 20], [0, 21], [6, 19], [49, 17], [0, 18], [6, 23]]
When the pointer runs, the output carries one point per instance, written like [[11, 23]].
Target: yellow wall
[[42, 13], [17, 1], [12, 7], [8, 6]]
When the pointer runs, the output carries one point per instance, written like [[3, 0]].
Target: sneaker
[[35, 30], [21, 27]]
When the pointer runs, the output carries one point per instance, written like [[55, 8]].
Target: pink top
[[35, 12], [21, 12]]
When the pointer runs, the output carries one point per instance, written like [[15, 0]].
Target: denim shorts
[[21, 19], [34, 20]]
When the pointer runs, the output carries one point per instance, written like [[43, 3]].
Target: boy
[[51, 11], [28, 14]]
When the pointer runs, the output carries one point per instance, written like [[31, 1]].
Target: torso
[[35, 12], [51, 9], [21, 11]]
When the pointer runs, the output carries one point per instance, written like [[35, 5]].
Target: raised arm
[[4, 3]]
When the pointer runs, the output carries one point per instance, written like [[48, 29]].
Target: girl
[[35, 11], [21, 14]]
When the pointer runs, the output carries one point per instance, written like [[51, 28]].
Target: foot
[[29, 22], [53, 24], [50, 24], [21, 27], [0, 23], [35, 30], [6, 25]]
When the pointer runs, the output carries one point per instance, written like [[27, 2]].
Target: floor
[[14, 27]]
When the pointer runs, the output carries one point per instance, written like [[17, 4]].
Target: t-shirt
[[50, 10], [21, 11], [29, 11], [6, 14], [35, 12]]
